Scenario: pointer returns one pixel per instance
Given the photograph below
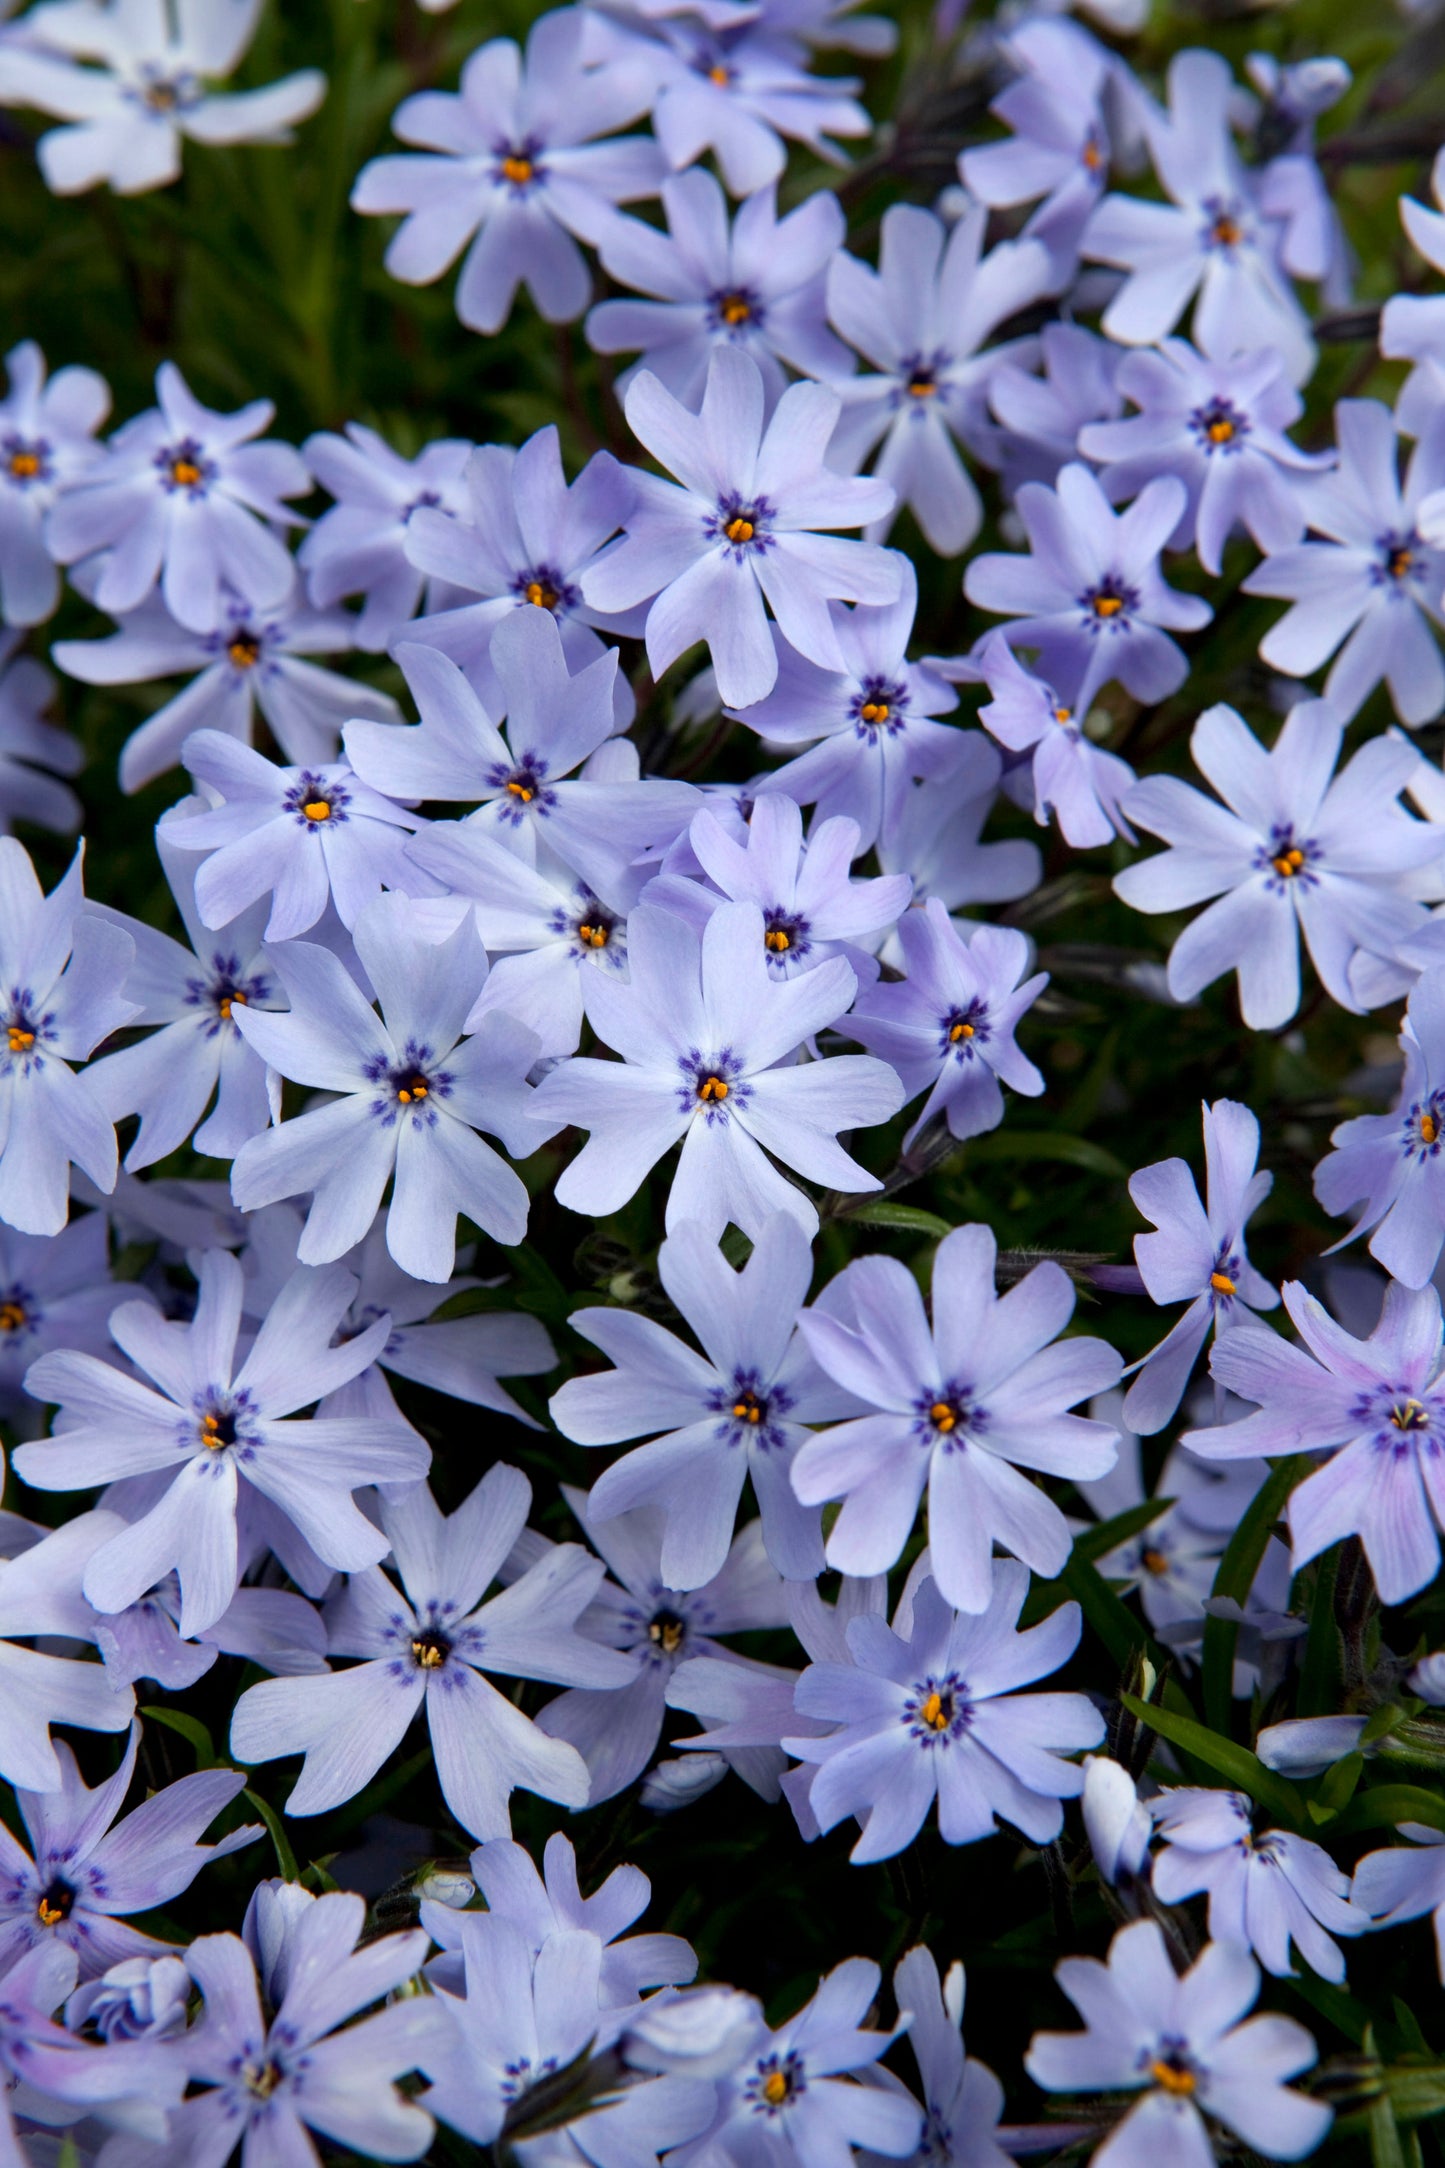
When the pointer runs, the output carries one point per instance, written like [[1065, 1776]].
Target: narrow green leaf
[[1027, 1144], [1119, 1628], [1337, 1788], [285, 1857], [1386, 2149], [190, 1728], [1335, 2004], [1320, 1672], [907, 1218], [1384, 1805], [1245, 1771], [1234, 1580], [1098, 1542]]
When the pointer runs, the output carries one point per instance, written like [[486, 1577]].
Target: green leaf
[[1027, 1144], [1235, 1579], [1335, 2004], [1337, 1788], [190, 1728], [1386, 2147], [285, 1857], [1245, 1771], [1384, 1805], [1320, 1672], [1119, 1628], [1098, 1542], [908, 1218]]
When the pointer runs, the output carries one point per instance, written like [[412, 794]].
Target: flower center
[[666, 1631], [517, 169], [711, 1088], [184, 467], [1410, 1415], [540, 594], [1106, 601], [523, 785], [594, 933], [1171, 2073], [720, 75], [1154, 1561], [430, 1650], [1399, 561], [874, 711], [740, 529], [945, 1415], [1429, 1129], [12, 1315], [1222, 1283], [24, 463], [1289, 862], [317, 810], [411, 1086], [226, 999], [21, 1038], [937, 1711], [1092, 155], [1063, 715], [735, 309], [748, 1408], [923, 384], [1225, 232], [958, 1031], [218, 1429], [55, 1904], [244, 650], [261, 2079]]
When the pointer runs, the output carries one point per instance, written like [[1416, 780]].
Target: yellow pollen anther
[[317, 809], [211, 1437], [592, 936], [712, 1087], [1179, 2082], [1409, 1415], [1400, 561], [874, 711], [227, 1002], [20, 1039], [185, 473], [12, 1316], [1063, 715], [922, 386], [959, 1031], [428, 1653], [1221, 431], [776, 940], [1226, 233], [1154, 1561], [244, 650], [415, 1087], [517, 170], [1429, 1129], [748, 1408], [1288, 864], [720, 76], [49, 1915], [739, 530], [1222, 1283], [540, 595], [775, 2088], [943, 1415], [935, 1713], [667, 1633], [735, 309], [1093, 156], [24, 465], [522, 791], [1108, 605]]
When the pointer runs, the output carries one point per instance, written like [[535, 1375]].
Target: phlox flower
[[34, 754], [270, 1627], [433, 1646], [1390, 1164], [758, 285], [736, 530], [1180, 2045], [923, 320], [734, 1412], [960, 1405], [1071, 777], [411, 1095], [1266, 1891], [1375, 1406], [1059, 150], [1292, 188], [47, 441], [61, 971], [1089, 596], [1040, 416], [89, 1870], [1399, 1884], [929, 1713], [180, 498], [511, 164], [948, 1025], [128, 2083], [268, 2081], [738, 90], [706, 1034], [962, 2099], [1196, 1253], [1372, 581], [1412, 326], [212, 1429], [55, 1291], [358, 547], [1294, 849], [935, 837], [145, 89], [141, 1998], [40, 1597]]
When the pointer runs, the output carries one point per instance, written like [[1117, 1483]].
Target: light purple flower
[[247, 659], [214, 1431], [931, 1714], [922, 320], [40, 1596], [1266, 1891], [513, 166], [524, 540], [872, 720], [812, 907], [739, 531], [270, 2081], [787, 2099], [1294, 849], [759, 286], [1397, 1885], [616, 1728], [51, 2076], [303, 836], [434, 1646], [1117, 1822], [1071, 776], [1372, 582], [1059, 150], [1412, 326], [1040, 416], [1089, 595], [149, 90], [1219, 425], [1212, 242], [61, 971], [180, 498], [1390, 1164], [948, 1025], [738, 92], [271, 1627], [961, 1405], [934, 837], [1179, 2043], [196, 1053], [34, 753], [55, 1291], [962, 2099], [734, 1412], [87, 1875], [47, 441], [358, 547], [411, 1095], [1376, 1406], [1196, 1254], [707, 1037], [141, 1998], [1313, 243]]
